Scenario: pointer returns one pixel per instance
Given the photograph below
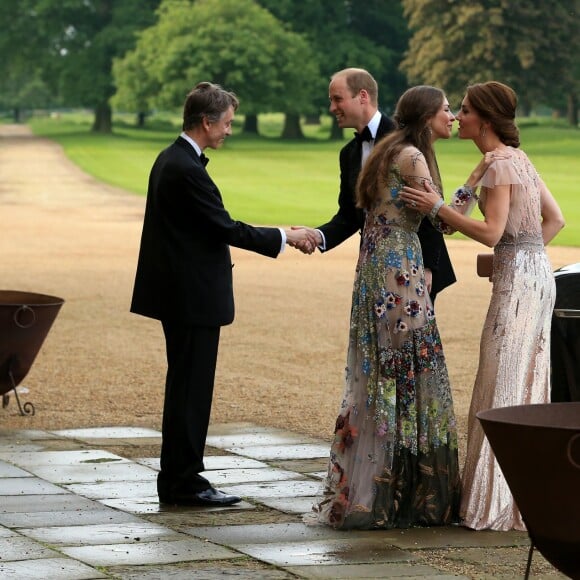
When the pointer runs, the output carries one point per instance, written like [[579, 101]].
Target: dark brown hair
[[207, 100], [415, 107], [496, 103]]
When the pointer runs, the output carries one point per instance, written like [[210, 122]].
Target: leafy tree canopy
[[530, 45], [73, 43], [371, 35], [235, 43]]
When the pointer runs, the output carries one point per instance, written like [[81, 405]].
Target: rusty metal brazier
[[538, 450], [25, 319]]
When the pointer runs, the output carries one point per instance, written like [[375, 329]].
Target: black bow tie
[[364, 136], [203, 159]]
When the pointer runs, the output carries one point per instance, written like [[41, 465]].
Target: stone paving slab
[[53, 569], [11, 447], [115, 489], [102, 472], [26, 486], [151, 506], [8, 470], [278, 452], [93, 534], [409, 571], [107, 433], [214, 462], [266, 533], [253, 439], [61, 458], [327, 552], [163, 552], [78, 518], [287, 489], [202, 571], [291, 505], [220, 477], [16, 547], [43, 503]]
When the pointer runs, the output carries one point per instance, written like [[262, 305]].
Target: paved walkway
[[82, 504]]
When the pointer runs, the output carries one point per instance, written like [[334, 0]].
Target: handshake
[[304, 239]]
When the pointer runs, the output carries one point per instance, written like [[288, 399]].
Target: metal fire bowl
[[538, 450], [25, 319]]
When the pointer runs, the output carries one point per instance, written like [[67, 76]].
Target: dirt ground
[[281, 362]]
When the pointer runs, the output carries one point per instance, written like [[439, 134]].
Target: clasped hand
[[303, 238]]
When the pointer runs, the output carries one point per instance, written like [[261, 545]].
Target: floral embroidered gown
[[393, 460], [514, 362]]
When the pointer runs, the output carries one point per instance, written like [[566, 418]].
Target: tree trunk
[[16, 115], [103, 122], [312, 119], [250, 124], [572, 114], [524, 107], [292, 128], [335, 131], [141, 120]]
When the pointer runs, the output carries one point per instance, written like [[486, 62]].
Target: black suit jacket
[[184, 271], [350, 219]]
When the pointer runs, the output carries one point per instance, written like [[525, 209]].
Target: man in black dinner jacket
[[353, 95], [184, 279]]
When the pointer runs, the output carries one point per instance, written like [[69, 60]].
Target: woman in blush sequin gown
[[393, 460], [520, 217]]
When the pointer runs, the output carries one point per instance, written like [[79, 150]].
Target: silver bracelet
[[435, 209]]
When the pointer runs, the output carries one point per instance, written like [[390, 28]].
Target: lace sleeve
[[413, 168]]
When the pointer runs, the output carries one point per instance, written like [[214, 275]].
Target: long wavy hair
[[496, 103], [414, 109]]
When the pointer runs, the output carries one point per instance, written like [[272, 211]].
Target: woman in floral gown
[[520, 217], [393, 461]]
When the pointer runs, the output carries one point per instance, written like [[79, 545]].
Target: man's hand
[[304, 239], [308, 239]]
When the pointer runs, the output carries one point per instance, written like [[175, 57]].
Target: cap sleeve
[[500, 172]]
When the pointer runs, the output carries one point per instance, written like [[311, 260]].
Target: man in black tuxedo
[[353, 95], [184, 279]]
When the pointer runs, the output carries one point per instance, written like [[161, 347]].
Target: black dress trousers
[[191, 362]]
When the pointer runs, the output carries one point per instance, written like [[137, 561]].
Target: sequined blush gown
[[514, 361], [393, 461]]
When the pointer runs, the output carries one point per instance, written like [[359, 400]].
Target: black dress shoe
[[207, 497]]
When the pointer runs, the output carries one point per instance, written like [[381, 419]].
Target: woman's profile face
[[469, 121], [442, 122]]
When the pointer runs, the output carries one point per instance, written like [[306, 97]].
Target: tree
[[234, 43], [371, 35], [21, 84], [531, 46], [73, 43], [21, 90]]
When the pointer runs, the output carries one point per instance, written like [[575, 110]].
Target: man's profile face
[[218, 130], [346, 109]]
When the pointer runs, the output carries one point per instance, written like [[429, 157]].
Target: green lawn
[[268, 181]]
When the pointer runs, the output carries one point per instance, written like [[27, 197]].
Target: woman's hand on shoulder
[[421, 200]]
